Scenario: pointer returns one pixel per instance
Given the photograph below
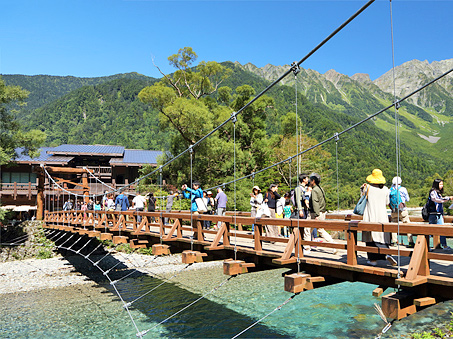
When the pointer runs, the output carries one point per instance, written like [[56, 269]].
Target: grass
[[445, 332]]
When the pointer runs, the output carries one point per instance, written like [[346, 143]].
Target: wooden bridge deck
[[423, 273]]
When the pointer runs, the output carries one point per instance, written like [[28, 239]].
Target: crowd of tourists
[[306, 201]]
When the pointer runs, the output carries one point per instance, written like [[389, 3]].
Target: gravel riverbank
[[33, 274]]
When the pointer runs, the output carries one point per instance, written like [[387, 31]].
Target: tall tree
[[187, 103], [11, 135]]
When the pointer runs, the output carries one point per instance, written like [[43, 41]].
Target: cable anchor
[[295, 68], [233, 117], [397, 104], [337, 137], [190, 149]]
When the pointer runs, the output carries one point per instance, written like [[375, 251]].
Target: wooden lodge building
[[116, 166]]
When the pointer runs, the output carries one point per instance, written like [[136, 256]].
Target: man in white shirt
[[139, 204]]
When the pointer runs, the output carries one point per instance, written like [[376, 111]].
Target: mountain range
[[425, 117], [106, 110]]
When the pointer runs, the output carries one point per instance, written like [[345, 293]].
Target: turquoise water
[[338, 311]]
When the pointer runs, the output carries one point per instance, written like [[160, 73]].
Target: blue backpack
[[395, 198]]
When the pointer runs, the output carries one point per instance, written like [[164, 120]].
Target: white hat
[[396, 181]]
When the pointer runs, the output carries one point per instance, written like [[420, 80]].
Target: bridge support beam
[[235, 267], [189, 257], [119, 240], [159, 249], [106, 236], [299, 282], [398, 305]]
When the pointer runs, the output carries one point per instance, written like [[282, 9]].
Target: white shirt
[[139, 201]]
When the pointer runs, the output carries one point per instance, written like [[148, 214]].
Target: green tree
[[187, 105], [12, 137]]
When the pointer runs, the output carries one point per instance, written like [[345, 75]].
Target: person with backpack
[[270, 198], [436, 207], [122, 202], [301, 197], [398, 197], [317, 205]]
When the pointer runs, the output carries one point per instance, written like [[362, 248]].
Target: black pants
[[376, 256]]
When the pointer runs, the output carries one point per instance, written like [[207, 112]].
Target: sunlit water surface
[[338, 311]]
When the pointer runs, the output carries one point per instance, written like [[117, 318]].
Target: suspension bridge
[[422, 277]]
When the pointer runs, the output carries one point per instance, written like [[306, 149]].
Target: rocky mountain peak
[[361, 77]]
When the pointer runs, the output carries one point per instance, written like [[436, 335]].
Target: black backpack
[[427, 209]]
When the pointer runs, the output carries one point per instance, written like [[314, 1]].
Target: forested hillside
[[47, 88], [109, 113]]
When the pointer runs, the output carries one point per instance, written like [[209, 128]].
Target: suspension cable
[[234, 169], [338, 180], [191, 196], [348, 129], [141, 334], [156, 287], [397, 141], [322, 43], [278, 308]]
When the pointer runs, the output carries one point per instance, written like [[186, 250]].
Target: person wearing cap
[[256, 199], [376, 211], [401, 211]]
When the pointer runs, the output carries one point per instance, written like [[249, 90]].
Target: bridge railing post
[[258, 234], [351, 242]]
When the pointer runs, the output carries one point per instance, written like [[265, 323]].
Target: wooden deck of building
[[425, 276]]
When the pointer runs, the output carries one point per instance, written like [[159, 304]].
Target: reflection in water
[[338, 311]]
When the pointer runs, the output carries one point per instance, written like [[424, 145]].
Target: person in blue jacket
[[122, 202], [192, 194]]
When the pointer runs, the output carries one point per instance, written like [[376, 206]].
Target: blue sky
[[89, 38]]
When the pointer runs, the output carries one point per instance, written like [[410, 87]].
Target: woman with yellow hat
[[376, 211]]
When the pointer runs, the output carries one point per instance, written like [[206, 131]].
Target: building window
[[19, 177]]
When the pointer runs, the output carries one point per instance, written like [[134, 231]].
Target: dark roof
[[104, 150], [137, 157], [43, 157], [65, 153]]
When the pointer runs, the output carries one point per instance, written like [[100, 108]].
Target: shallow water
[[339, 311]]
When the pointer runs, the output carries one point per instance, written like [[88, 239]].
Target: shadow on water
[[205, 319]]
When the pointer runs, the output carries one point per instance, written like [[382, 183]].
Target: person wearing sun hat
[[256, 199], [376, 211]]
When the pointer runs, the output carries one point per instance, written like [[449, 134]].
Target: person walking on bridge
[[317, 204], [193, 193], [376, 211], [271, 198], [436, 207], [221, 199], [398, 206]]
